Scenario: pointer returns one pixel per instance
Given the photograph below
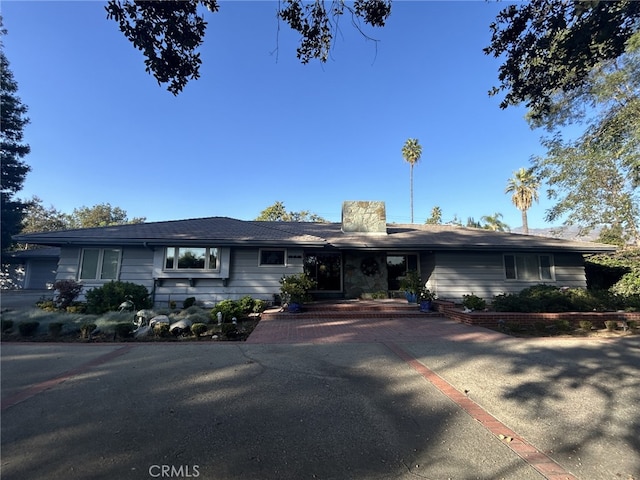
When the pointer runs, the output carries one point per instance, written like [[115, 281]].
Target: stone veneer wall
[[358, 282], [364, 217]]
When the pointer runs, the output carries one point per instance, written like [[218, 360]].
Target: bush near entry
[[551, 299], [111, 295]]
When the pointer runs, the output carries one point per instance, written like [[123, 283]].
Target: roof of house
[[225, 231], [20, 256]]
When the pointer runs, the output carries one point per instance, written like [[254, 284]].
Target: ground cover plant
[[49, 321]]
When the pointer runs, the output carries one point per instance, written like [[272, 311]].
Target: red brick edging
[[542, 463], [42, 386], [493, 319]]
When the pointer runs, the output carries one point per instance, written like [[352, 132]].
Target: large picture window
[[530, 267], [99, 264], [191, 258]]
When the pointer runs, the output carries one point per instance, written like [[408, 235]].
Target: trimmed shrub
[[28, 329], [86, 329], [55, 329], [77, 307], [259, 306], [473, 302], [188, 302], [198, 329], [540, 326], [548, 298], [611, 325], [563, 325], [7, 326], [229, 329], [508, 302], [228, 308], [68, 292], [124, 330], [47, 305], [586, 325], [111, 295], [632, 324], [246, 304], [161, 330]]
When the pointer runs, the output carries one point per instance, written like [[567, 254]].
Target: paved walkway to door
[[366, 330]]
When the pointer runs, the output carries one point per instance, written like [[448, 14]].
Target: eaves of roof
[[224, 231]]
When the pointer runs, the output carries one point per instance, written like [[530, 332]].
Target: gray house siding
[[482, 273], [569, 269], [136, 265], [242, 276], [40, 273]]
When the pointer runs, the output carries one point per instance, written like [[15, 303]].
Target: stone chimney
[[368, 218]]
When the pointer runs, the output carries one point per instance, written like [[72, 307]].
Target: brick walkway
[[365, 330], [292, 330]]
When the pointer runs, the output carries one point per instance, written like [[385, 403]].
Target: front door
[[397, 267], [325, 269]]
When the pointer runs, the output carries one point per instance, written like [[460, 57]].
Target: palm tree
[[494, 222], [411, 152], [524, 187], [436, 216]]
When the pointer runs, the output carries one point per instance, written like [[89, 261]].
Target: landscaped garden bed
[[111, 314], [545, 310]]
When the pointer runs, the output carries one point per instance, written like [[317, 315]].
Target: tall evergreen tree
[[12, 150]]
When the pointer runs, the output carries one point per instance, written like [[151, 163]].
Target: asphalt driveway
[[462, 404]]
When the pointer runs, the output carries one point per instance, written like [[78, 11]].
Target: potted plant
[[412, 285], [294, 290], [426, 298]]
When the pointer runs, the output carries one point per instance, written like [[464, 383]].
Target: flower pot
[[425, 305], [411, 297], [294, 307]]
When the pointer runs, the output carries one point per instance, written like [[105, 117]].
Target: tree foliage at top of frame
[[168, 33], [550, 46]]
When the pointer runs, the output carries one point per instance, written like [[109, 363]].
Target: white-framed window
[[192, 258], [271, 257], [529, 267], [100, 264]]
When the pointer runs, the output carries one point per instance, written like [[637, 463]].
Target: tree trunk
[[411, 189], [525, 223]]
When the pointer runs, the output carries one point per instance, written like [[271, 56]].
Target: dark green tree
[[551, 46], [13, 169], [594, 178], [38, 218], [278, 213], [101, 215], [168, 33]]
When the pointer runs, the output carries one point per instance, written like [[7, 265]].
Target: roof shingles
[[225, 231]]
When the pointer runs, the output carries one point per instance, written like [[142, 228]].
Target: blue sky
[[260, 127]]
